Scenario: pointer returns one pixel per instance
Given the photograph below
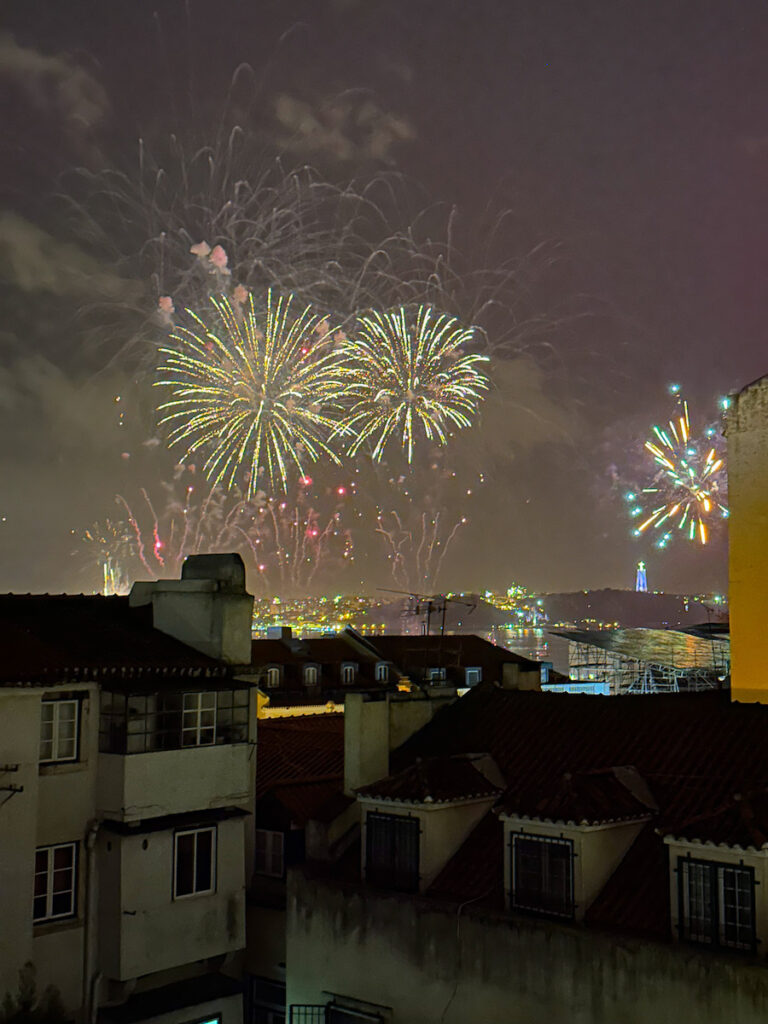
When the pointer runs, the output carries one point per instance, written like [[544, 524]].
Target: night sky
[[629, 139]]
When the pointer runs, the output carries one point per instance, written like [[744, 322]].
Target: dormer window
[[348, 672], [392, 851], [542, 875], [273, 677], [382, 672], [717, 903], [436, 675], [310, 675], [473, 676]]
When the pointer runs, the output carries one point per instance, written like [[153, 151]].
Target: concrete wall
[[55, 806], [135, 786], [597, 849], [144, 930], [449, 967], [444, 827], [748, 532]]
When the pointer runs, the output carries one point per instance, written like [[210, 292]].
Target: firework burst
[[688, 490], [259, 395], [408, 377]]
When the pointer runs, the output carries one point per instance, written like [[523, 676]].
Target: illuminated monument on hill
[[641, 581]]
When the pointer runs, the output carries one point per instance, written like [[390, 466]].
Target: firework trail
[[262, 402], [111, 546], [408, 378], [687, 494]]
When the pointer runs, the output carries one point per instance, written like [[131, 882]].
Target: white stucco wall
[[135, 786], [597, 850], [145, 930]]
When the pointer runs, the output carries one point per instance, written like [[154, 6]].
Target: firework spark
[[688, 490], [408, 377], [261, 402]]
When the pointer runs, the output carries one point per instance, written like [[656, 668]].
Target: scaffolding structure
[[649, 660]]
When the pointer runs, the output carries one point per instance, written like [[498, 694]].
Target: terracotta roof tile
[[476, 872], [433, 780], [584, 798], [47, 638], [298, 749], [636, 896]]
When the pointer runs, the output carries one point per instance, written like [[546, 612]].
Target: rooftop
[[48, 638], [667, 647]]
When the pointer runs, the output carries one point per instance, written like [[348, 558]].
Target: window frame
[[272, 672], [382, 671], [49, 891], [140, 723], [348, 669], [715, 870], [269, 852], [308, 670], [197, 711], [544, 842], [56, 704], [196, 831], [477, 670], [403, 879], [436, 674]]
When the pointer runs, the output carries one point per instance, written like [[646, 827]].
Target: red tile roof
[[302, 749], [741, 820], [49, 638], [587, 798], [436, 780], [476, 872], [319, 800], [636, 897], [694, 750]]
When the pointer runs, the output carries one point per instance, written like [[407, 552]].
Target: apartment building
[[540, 857], [313, 675], [126, 795]]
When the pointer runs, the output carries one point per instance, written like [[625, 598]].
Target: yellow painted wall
[[747, 433]]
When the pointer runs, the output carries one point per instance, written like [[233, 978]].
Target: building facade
[[126, 797]]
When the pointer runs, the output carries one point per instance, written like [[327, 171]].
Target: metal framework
[[648, 660]]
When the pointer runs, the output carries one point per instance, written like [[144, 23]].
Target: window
[[542, 875], [198, 719], [473, 676], [266, 1001], [137, 723], [55, 882], [717, 903], [310, 675], [58, 730], [195, 862], [269, 852], [382, 672], [273, 676], [331, 1013], [436, 675], [392, 851], [348, 672]]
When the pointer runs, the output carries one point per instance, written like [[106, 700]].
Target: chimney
[[207, 609], [517, 677], [375, 724]]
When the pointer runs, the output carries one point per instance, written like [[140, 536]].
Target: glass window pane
[[46, 750], [41, 860], [240, 698], [207, 718], [203, 874], [62, 880], [206, 736], [185, 864], [61, 904], [67, 711], [63, 857], [191, 701], [208, 699], [39, 908], [41, 884]]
